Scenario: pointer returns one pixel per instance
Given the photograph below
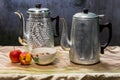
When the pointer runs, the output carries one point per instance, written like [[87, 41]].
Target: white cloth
[[61, 68]]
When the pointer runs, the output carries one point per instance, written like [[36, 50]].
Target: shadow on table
[[100, 77]]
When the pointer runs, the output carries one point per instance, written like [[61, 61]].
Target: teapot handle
[[56, 25], [109, 26]]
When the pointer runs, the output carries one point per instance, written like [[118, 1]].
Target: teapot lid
[[38, 10], [85, 14]]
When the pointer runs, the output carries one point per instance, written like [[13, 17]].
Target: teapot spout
[[65, 42], [22, 27]]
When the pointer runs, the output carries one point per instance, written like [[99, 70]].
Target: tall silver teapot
[[38, 31], [84, 43]]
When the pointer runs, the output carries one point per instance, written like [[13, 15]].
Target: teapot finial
[[85, 10], [38, 5]]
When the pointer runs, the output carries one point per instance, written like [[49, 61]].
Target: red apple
[[25, 58], [14, 56]]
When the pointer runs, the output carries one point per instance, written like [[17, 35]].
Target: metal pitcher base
[[90, 62]]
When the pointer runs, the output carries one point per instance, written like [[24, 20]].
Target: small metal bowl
[[44, 55]]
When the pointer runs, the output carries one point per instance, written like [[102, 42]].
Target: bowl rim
[[43, 49]]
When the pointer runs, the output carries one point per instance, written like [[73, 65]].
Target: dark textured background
[[9, 22]]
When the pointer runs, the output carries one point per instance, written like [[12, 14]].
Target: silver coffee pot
[[84, 43], [38, 31]]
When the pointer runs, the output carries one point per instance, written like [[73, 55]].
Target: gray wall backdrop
[[9, 22]]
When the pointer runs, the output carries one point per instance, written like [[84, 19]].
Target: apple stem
[[14, 48]]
